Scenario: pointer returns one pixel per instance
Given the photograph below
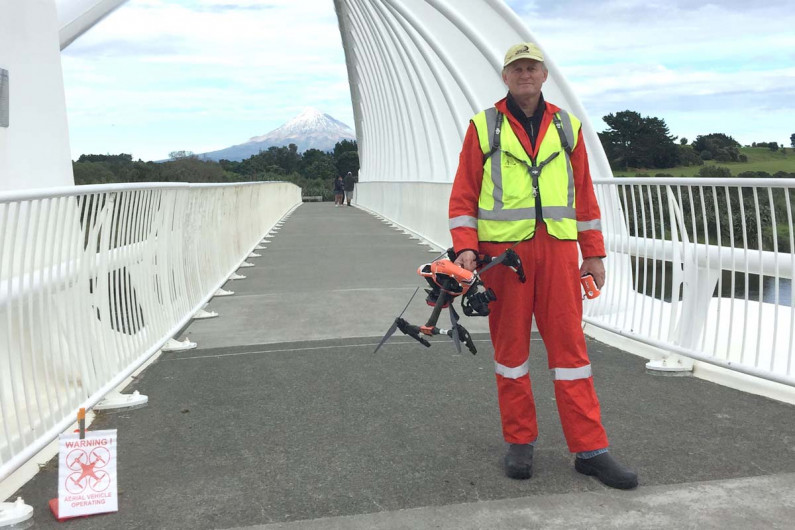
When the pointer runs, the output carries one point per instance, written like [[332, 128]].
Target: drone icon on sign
[[87, 470]]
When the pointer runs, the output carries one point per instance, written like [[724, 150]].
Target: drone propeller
[[394, 325], [496, 261]]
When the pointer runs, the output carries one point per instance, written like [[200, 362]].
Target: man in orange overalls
[[523, 176]]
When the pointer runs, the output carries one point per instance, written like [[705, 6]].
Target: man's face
[[524, 78]]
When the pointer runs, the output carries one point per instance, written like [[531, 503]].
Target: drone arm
[[412, 331], [444, 297]]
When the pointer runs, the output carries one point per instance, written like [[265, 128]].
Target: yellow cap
[[524, 50]]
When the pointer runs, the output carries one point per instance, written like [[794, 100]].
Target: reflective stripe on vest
[[506, 206]]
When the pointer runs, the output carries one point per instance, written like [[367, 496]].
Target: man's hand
[[596, 268], [469, 261]]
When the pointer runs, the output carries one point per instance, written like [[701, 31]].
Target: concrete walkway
[[284, 418]]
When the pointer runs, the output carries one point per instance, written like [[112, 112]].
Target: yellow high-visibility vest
[[512, 180]]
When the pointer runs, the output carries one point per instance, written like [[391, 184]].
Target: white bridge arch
[[418, 71]]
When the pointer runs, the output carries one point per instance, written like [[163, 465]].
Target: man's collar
[[516, 110]]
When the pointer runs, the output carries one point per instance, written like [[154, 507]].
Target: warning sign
[[87, 474]]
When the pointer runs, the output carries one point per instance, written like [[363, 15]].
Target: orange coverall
[[551, 293]]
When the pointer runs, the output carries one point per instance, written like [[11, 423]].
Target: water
[[768, 287]]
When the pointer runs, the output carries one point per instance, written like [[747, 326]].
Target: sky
[[158, 76]]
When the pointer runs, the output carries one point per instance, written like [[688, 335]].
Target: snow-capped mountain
[[309, 130]]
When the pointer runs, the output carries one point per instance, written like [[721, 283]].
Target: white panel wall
[[420, 207], [34, 149]]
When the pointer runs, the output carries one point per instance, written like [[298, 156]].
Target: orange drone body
[[451, 278]]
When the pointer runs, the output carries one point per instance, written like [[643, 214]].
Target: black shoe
[[608, 471], [519, 461]]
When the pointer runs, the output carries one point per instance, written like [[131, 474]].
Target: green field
[[759, 159]]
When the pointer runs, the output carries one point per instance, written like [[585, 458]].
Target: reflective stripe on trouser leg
[[570, 374], [510, 322], [558, 313], [512, 373]]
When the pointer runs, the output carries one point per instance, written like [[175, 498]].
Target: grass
[[759, 159]]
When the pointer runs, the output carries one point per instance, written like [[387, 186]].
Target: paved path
[[284, 418]]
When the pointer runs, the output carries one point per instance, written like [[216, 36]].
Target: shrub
[[689, 157], [714, 172], [754, 175]]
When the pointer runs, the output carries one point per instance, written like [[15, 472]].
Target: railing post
[[685, 274], [117, 401], [699, 284]]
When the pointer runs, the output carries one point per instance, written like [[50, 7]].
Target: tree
[[773, 146], [688, 156], [321, 168], [315, 164], [288, 158], [119, 159], [717, 172], [348, 161], [635, 141], [346, 157], [345, 146], [92, 173], [191, 169], [176, 155], [792, 139], [721, 147]]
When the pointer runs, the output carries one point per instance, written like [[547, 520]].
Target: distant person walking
[[350, 182], [339, 191]]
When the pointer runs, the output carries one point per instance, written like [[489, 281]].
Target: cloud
[[235, 68], [160, 75], [730, 62]]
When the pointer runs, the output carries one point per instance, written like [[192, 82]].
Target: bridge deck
[[283, 417]]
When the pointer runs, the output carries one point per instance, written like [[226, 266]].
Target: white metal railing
[[95, 279], [701, 267]]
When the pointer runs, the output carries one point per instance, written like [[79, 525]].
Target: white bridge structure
[[95, 280]]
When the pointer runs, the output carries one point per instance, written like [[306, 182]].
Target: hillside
[[759, 159]]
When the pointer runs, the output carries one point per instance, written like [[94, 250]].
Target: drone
[[447, 281]]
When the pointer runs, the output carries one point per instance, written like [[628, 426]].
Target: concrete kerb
[[434, 246], [756, 502]]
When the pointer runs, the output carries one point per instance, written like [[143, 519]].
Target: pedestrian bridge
[[248, 319], [283, 417]]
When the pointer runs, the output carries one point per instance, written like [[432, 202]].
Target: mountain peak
[[308, 113], [310, 119], [310, 122], [311, 129]]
